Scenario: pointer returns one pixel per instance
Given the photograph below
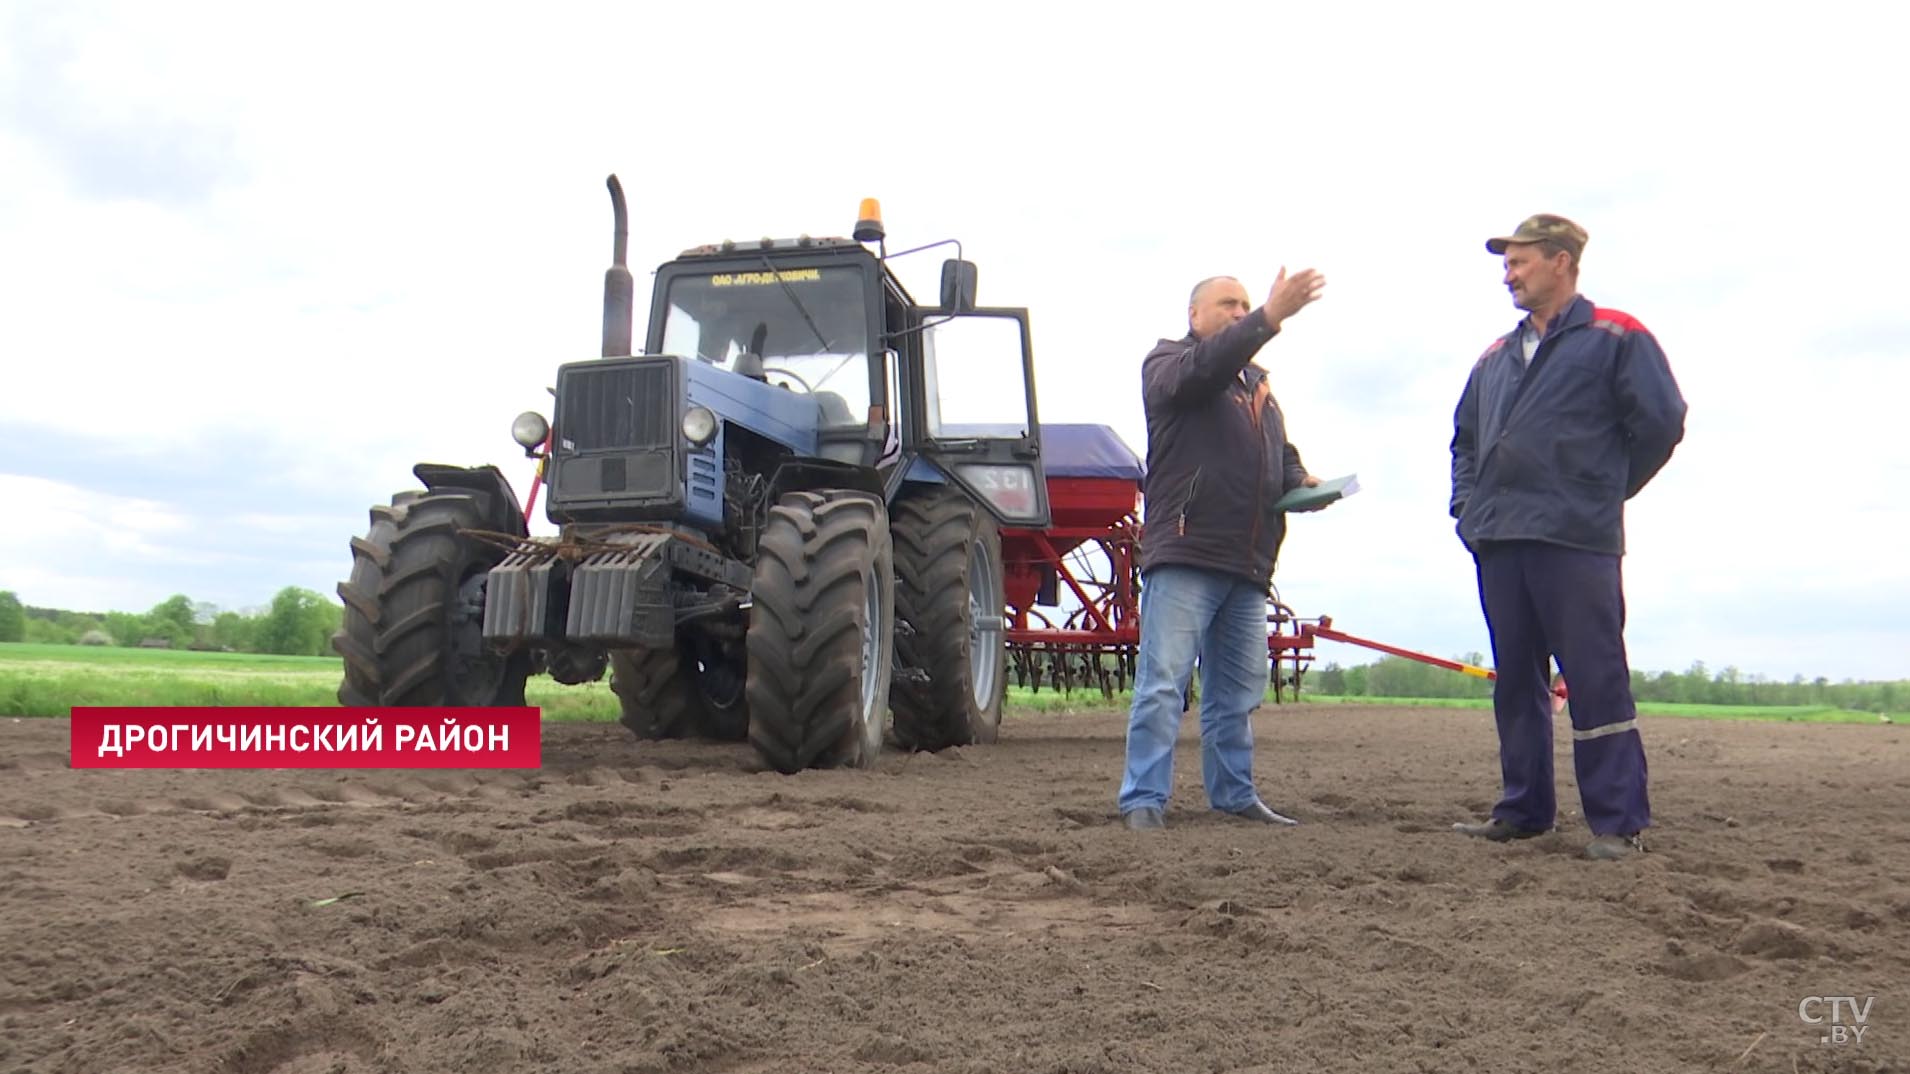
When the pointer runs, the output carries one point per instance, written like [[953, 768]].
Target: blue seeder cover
[[1088, 451]]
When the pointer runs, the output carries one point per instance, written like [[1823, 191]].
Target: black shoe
[[1142, 818], [1497, 831], [1613, 847], [1258, 811]]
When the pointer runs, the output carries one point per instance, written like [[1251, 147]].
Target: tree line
[[1394, 676], [298, 622]]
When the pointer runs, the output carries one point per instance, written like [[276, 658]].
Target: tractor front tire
[[821, 632], [662, 697], [657, 698], [948, 587], [413, 624]]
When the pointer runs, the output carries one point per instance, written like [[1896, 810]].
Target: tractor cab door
[[976, 417]]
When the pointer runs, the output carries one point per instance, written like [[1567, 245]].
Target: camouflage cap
[[1544, 227]]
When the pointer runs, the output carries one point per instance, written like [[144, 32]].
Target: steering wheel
[[778, 369]]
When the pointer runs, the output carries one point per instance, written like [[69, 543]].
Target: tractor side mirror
[[958, 285]]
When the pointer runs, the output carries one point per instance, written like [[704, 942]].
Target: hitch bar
[[1324, 629]]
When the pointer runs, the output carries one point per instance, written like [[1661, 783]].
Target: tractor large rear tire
[[948, 587], [661, 697], [414, 609], [821, 632]]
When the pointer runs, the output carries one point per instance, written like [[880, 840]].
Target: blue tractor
[[777, 521]]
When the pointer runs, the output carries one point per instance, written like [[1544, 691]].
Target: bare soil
[[668, 907]]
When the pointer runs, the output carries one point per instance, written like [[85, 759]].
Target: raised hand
[[1291, 294]]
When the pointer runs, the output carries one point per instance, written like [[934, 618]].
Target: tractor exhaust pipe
[[618, 286]]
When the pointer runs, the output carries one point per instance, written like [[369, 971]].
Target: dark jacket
[[1552, 453], [1217, 454]]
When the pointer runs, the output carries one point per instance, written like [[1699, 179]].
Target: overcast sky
[[257, 259]]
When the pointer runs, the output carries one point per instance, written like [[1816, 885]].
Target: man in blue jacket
[[1563, 420], [1217, 461]]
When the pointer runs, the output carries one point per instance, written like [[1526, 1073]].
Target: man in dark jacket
[[1563, 420], [1217, 460]]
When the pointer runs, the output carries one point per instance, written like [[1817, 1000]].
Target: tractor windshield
[[810, 327]]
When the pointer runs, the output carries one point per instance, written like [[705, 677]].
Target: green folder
[[1312, 499]]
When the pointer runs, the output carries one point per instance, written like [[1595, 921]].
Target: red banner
[[246, 737]]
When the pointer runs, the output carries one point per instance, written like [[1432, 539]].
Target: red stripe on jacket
[[1618, 319]]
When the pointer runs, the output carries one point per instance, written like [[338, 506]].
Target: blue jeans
[[1188, 613]]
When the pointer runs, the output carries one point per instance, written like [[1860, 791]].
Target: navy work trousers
[[1543, 601]]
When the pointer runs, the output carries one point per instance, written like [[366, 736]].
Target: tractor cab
[[806, 324], [760, 325], [891, 381]]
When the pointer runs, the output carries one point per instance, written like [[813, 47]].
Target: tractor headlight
[[529, 430], [699, 425]]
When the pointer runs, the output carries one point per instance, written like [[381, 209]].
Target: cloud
[[72, 515], [103, 111], [228, 519]]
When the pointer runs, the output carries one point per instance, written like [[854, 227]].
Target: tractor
[[779, 521]]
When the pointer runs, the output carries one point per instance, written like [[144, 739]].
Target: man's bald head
[[1215, 303], [1193, 298]]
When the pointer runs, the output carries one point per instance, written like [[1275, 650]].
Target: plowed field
[[668, 907]]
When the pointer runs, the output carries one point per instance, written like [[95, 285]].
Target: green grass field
[[1778, 713], [49, 680]]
